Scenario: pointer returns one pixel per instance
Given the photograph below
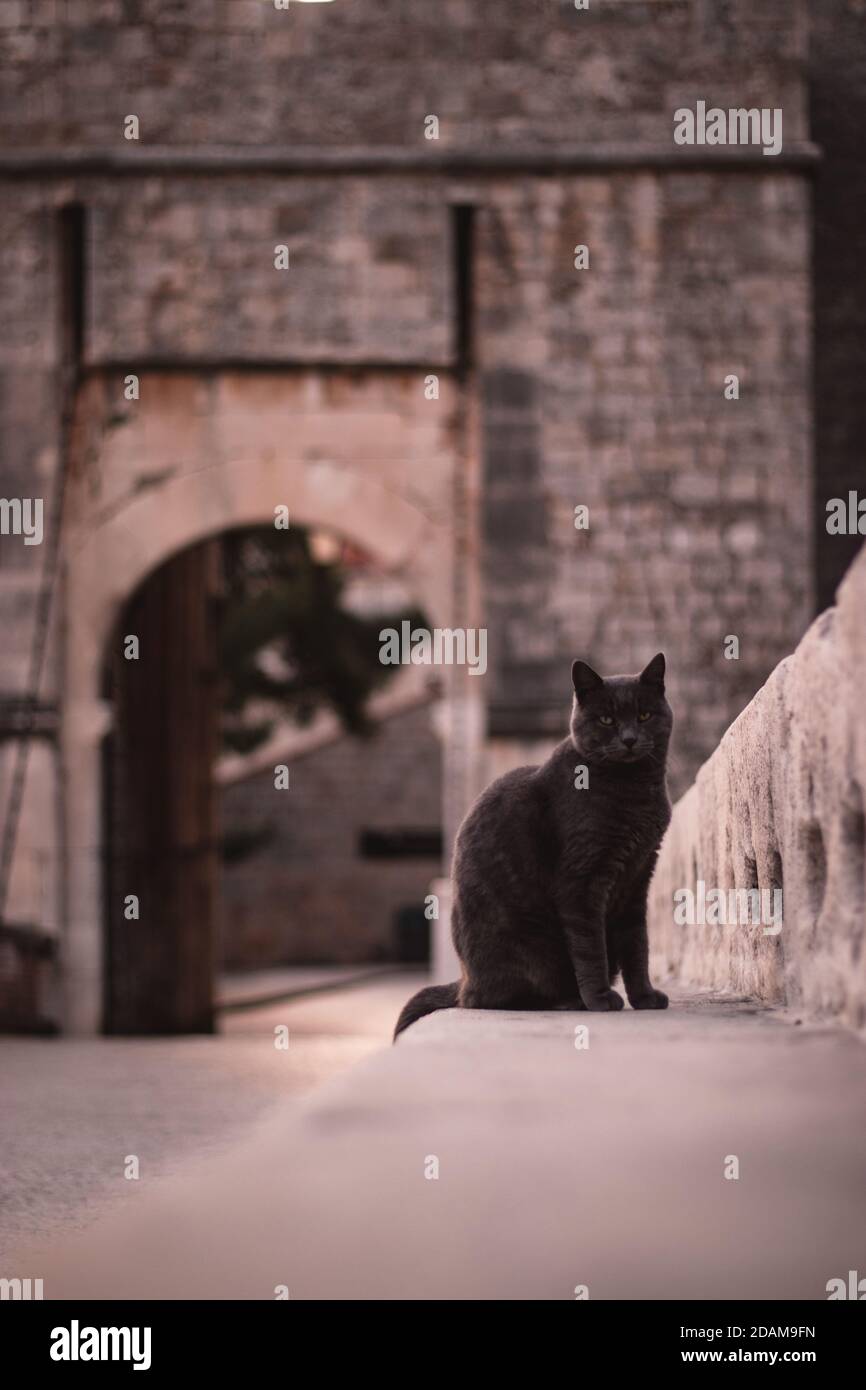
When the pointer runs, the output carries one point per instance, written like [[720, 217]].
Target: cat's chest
[[616, 835]]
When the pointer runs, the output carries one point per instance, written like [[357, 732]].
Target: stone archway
[[195, 458]]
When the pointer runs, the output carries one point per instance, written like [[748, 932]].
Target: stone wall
[[579, 370], [780, 805], [611, 395], [239, 72], [307, 895], [29, 410], [184, 268], [601, 387]]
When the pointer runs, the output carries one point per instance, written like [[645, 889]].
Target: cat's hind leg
[[502, 994], [516, 989], [544, 983]]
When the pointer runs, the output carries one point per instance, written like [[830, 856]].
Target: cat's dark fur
[[550, 881]]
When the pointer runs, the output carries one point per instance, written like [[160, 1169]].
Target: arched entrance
[[195, 459]]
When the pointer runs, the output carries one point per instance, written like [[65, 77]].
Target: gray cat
[[550, 876]]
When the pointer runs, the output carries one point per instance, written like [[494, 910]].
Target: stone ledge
[[558, 1167], [780, 804], [239, 159]]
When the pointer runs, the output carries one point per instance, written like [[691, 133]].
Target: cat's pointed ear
[[584, 679], [654, 673]]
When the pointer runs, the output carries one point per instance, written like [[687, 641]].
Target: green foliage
[[287, 644]]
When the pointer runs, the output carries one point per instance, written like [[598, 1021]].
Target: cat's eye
[[644, 716], [605, 719]]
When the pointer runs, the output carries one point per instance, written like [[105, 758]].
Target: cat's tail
[[427, 1001]]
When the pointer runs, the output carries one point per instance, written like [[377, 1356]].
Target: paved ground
[[71, 1110], [239, 991], [487, 1157]]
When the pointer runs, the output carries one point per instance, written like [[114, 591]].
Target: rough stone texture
[[601, 387], [307, 894], [238, 72], [29, 410], [613, 397], [557, 1167], [780, 805], [185, 269]]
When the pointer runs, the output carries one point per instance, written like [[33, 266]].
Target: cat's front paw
[[654, 999], [606, 1001]]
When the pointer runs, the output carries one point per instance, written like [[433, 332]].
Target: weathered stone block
[[779, 805]]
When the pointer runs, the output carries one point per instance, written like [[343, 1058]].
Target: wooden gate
[[160, 803]]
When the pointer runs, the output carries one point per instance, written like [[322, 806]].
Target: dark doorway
[[251, 633]]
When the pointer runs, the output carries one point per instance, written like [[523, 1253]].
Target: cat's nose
[[629, 740]]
